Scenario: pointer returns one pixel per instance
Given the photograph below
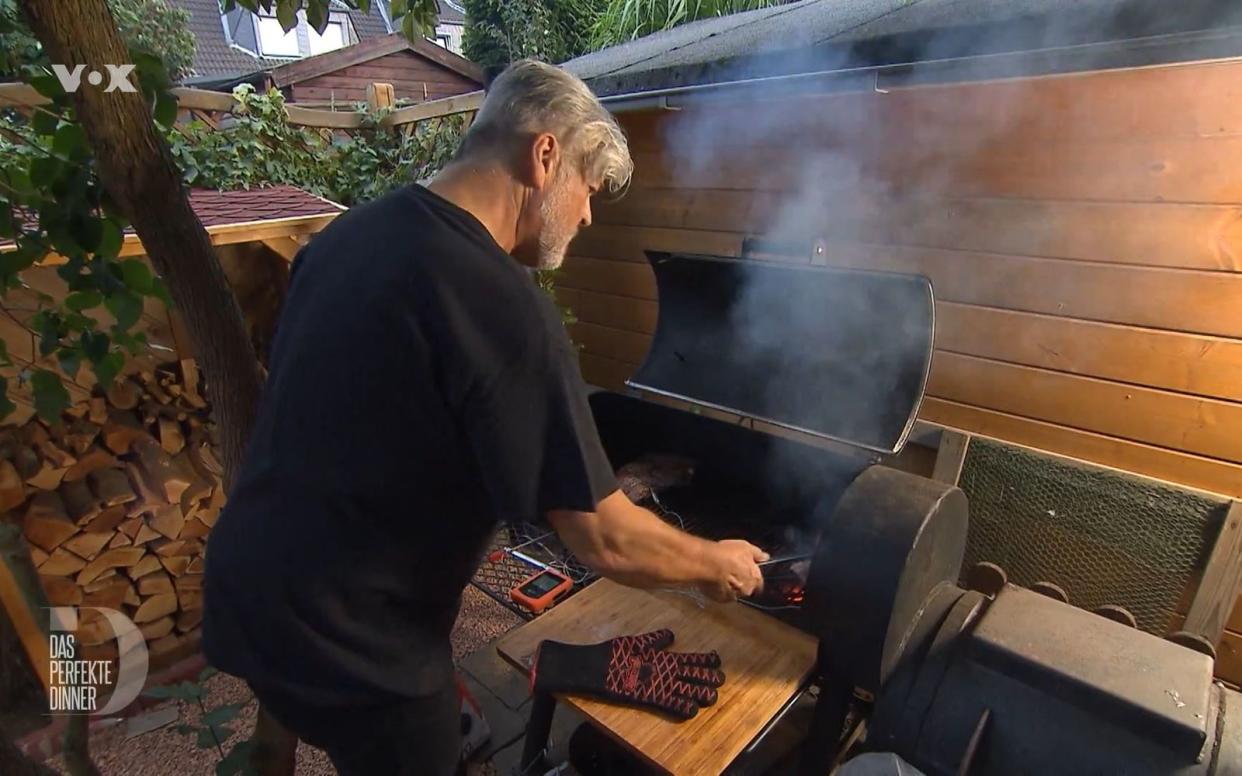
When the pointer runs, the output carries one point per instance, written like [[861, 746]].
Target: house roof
[[248, 215], [215, 56], [367, 50], [829, 35], [451, 13]]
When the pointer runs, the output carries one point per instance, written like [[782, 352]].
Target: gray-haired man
[[421, 390]]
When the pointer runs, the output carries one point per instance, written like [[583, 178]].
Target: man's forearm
[[634, 547]]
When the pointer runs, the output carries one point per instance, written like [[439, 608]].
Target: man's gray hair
[[532, 97]]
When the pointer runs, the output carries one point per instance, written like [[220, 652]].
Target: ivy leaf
[[83, 300], [126, 307], [6, 406], [50, 396], [44, 171], [94, 345], [87, 231], [107, 368], [70, 360], [317, 15], [222, 714], [235, 761], [47, 85], [286, 14], [136, 275], [399, 8], [8, 226], [70, 140], [165, 109], [111, 239], [364, 6], [160, 292]]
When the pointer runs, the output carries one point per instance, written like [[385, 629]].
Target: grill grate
[[1105, 537]]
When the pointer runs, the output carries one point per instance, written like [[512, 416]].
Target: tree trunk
[[137, 169]]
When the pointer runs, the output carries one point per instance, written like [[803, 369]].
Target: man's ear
[[544, 155]]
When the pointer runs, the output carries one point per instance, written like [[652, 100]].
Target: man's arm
[[631, 545]]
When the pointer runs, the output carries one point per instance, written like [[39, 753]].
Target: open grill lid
[[841, 354]]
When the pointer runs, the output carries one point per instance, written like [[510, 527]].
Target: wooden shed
[[418, 71], [117, 502], [1069, 176]]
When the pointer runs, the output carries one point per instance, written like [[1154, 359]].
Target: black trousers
[[394, 737]]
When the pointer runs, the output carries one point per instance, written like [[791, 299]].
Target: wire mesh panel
[[1104, 537]]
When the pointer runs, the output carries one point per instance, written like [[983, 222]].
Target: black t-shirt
[[421, 389]]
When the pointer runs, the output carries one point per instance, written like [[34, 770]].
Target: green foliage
[[51, 201], [151, 25], [622, 20], [213, 724], [261, 147], [502, 31], [417, 17]]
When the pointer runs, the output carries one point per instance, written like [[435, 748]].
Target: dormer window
[[302, 40]]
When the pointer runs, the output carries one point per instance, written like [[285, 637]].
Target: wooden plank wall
[[413, 77], [1083, 234]]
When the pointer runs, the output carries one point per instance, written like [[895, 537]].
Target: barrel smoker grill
[[956, 681]]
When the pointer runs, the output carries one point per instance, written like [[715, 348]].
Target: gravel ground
[[165, 751]]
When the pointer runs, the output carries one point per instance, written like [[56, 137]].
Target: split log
[[155, 607], [80, 436], [139, 482], [47, 524], [58, 457], [12, 491], [175, 565], [121, 557], [79, 501], [161, 648], [76, 411], [108, 520], [131, 598], [27, 462], [190, 380], [181, 548], [168, 520], [152, 386], [148, 565], [99, 410], [123, 394], [37, 556], [189, 619], [105, 578], [162, 476], [120, 540], [93, 628], [194, 529], [111, 486], [171, 438], [190, 599], [154, 584], [131, 525], [146, 534], [48, 477], [61, 591], [87, 545], [157, 628], [197, 566], [91, 461], [61, 563], [111, 595], [9, 444], [188, 581], [121, 431], [199, 487]]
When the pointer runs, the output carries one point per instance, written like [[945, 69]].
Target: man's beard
[[558, 231]]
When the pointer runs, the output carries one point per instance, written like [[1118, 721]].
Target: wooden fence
[[205, 104]]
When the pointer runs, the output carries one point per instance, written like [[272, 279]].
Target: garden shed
[[1065, 174]]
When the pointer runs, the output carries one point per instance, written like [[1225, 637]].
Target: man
[[422, 389]]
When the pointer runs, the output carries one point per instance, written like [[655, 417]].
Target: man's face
[[566, 205]]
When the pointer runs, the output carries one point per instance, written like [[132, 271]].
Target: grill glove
[[634, 670]]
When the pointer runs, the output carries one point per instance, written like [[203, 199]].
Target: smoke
[[850, 167]]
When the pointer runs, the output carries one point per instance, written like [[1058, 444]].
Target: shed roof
[[367, 50], [827, 35]]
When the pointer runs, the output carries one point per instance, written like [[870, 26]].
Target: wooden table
[[765, 661]]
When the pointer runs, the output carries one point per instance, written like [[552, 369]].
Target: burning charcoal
[[654, 472]]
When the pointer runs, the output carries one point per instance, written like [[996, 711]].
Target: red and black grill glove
[[634, 670]]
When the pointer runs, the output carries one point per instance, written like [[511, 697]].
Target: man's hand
[[736, 571]]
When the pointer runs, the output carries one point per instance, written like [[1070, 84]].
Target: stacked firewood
[[117, 501]]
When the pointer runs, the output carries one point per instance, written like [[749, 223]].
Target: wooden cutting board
[[765, 662]]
